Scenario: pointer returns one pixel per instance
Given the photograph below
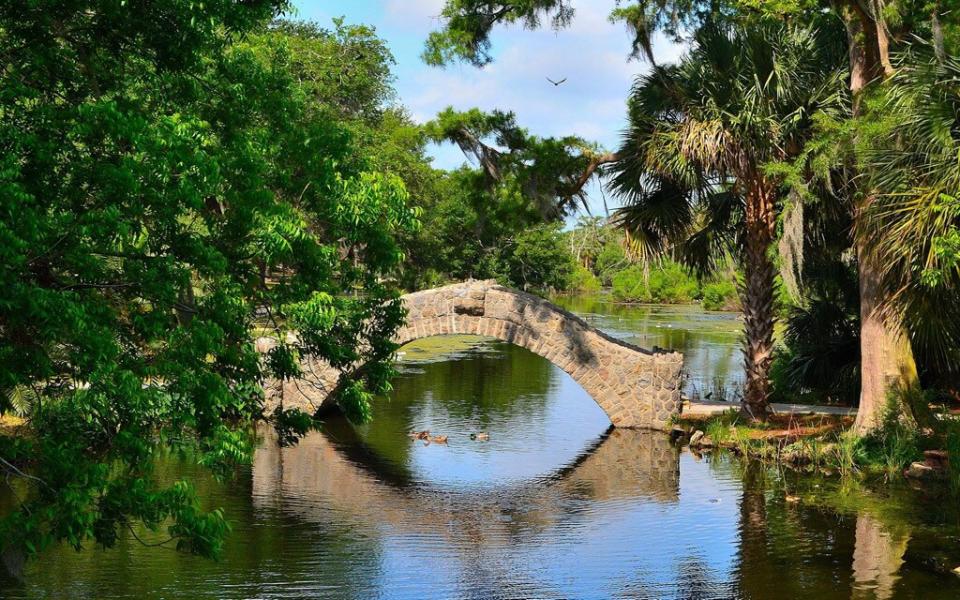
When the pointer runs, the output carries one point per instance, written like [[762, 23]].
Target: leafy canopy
[[169, 185]]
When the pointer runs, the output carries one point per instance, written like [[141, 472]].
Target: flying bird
[[556, 83]]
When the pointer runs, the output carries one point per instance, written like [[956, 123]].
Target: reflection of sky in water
[[635, 547], [529, 438], [628, 547]]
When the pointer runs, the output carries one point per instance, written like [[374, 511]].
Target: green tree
[[536, 259], [913, 223], [548, 173], [165, 188], [346, 73], [874, 29], [692, 166]]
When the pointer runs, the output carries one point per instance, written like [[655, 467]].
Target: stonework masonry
[[635, 387]]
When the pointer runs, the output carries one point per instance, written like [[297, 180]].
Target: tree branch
[[595, 163]]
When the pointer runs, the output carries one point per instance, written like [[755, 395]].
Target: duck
[[439, 439], [420, 435], [480, 437]]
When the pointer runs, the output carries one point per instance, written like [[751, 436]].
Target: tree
[[912, 223], [536, 259], [888, 365], [550, 173], [693, 163], [873, 29], [166, 191], [469, 23]]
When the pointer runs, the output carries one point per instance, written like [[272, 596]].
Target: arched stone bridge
[[634, 386]]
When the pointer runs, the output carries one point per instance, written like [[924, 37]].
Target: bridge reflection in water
[[322, 474]]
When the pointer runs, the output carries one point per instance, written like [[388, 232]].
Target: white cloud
[[591, 54]]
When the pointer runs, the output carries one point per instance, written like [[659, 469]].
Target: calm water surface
[[709, 340], [553, 505]]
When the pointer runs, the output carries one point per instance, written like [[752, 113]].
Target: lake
[[554, 504]]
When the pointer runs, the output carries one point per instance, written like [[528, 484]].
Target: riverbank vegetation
[[177, 176], [825, 443]]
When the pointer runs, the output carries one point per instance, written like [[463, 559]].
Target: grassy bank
[[824, 443]]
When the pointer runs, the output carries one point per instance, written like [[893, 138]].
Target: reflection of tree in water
[[877, 558], [267, 550], [795, 549], [495, 382]]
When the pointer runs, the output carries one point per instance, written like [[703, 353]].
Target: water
[[553, 505], [709, 340]]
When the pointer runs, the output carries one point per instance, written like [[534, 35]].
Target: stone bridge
[[634, 386]]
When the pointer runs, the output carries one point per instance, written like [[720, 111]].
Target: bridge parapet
[[634, 386]]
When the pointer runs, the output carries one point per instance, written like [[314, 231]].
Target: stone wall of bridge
[[634, 386]]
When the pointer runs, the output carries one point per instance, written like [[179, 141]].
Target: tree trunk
[[877, 558], [887, 365], [757, 298], [887, 362]]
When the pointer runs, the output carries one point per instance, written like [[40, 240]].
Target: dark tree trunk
[[757, 297]]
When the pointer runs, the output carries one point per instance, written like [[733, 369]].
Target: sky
[[592, 54]]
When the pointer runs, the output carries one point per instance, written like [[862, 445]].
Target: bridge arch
[[635, 387]]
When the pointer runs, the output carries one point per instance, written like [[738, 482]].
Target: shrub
[[896, 442], [673, 284], [821, 354], [669, 283], [583, 280], [629, 286], [721, 295]]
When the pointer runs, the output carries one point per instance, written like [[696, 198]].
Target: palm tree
[[703, 169]]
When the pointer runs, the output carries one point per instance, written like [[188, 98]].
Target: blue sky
[[592, 54]]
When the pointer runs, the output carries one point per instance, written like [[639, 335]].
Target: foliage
[[820, 360], [583, 280], [469, 230], [720, 295], [536, 259], [611, 259], [669, 283], [468, 23], [912, 145], [589, 238], [546, 172], [166, 184], [345, 70], [893, 445]]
